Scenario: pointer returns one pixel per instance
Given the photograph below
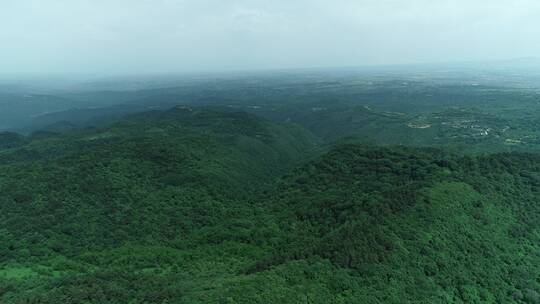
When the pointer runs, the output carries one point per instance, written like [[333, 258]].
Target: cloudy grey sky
[[154, 36]]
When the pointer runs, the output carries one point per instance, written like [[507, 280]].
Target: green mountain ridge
[[415, 225], [206, 205]]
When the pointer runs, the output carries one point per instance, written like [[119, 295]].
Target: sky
[[174, 36]]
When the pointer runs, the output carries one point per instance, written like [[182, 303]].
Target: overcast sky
[[155, 36]]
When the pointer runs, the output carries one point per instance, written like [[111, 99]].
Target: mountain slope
[[177, 207], [414, 225], [152, 188]]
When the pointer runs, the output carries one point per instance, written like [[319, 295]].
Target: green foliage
[[199, 205], [11, 140], [414, 225]]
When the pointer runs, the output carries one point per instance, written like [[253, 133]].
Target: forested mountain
[[460, 111], [173, 180], [289, 188], [402, 225], [261, 152], [205, 205], [11, 140]]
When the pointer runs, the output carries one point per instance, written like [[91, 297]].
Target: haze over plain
[[170, 36]]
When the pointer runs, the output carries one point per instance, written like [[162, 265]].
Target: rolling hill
[[200, 205]]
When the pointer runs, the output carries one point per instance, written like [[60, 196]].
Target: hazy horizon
[[185, 36]]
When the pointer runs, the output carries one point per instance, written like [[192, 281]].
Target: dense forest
[[213, 205], [269, 152]]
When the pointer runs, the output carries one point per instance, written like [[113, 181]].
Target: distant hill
[[11, 140], [17, 110]]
